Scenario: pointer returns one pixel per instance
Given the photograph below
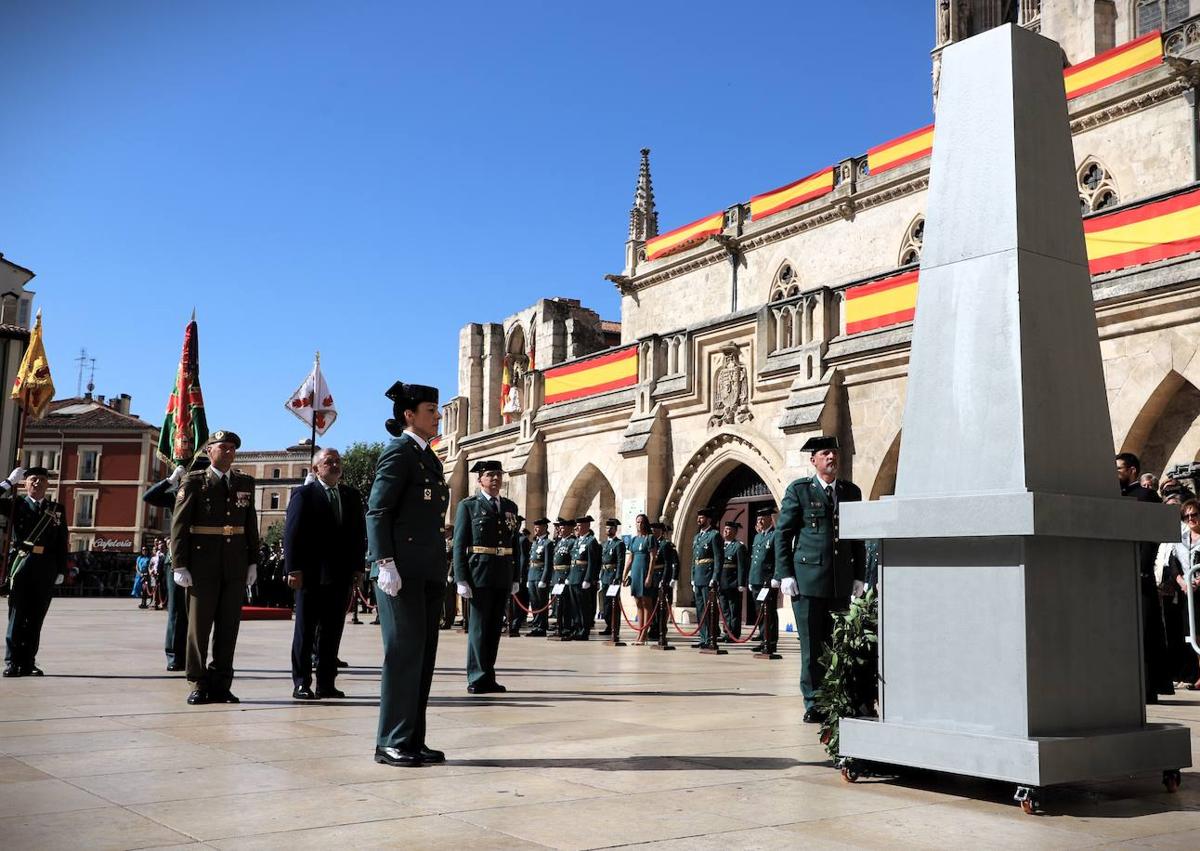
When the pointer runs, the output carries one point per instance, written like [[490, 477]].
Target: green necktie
[[336, 502]]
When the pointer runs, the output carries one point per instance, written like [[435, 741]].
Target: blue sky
[[365, 178]]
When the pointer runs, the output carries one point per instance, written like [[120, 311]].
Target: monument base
[[1036, 761]]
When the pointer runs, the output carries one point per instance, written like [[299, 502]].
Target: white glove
[[516, 587], [586, 585], [464, 590], [788, 586], [310, 478], [541, 584], [389, 578], [858, 588], [741, 588], [177, 474], [674, 583], [16, 475], [774, 583], [58, 580], [183, 578], [252, 574]]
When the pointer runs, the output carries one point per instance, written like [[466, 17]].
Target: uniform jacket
[[526, 551], [477, 525], [667, 563], [585, 560], [762, 558], [612, 560], [708, 557], [203, 502], [315, 545], [736, 567], [541, 559], [807, 545], [41, 569], [407, 509], [161, 494], [561, 558]]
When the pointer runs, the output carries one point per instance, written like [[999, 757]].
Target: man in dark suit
[[38, 563], [817, 569], [324, 547]]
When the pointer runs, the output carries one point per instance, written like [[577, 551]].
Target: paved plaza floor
[[591, 747]]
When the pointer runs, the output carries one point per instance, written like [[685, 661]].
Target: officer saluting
[[214, 544], [405, 513], [814, 566], [485, 546]]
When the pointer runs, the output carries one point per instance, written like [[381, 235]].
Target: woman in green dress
[[640, 563]]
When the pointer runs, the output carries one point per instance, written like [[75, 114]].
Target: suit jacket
[[315, 545], [477, 526], [807, 544], [200, 501], [407, 509], [41, 569]]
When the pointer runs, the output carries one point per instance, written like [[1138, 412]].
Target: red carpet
[[265, 613]]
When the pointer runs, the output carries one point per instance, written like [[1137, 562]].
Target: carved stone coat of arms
[[731, 390]]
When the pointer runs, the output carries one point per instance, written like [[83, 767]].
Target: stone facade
[[665, 445]]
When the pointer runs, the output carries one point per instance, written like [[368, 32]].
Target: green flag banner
[[185, 428]]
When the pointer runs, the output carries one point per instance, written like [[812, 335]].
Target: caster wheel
[[1171, 780], [849, 774], [1028, 799]]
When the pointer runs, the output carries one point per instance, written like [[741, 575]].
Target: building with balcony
[[276, 472]]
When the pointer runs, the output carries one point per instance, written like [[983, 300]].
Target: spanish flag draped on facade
[[34, 388], [185, 428]]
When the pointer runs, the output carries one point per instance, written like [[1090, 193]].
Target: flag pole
[[312, 443]]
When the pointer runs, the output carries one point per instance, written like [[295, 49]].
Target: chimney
[[100, 399], [122, 403]]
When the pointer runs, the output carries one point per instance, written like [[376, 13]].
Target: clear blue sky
[[364, 179]]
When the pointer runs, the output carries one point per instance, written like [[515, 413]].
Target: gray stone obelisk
[[1010, 618]]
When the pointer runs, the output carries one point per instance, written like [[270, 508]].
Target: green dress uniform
[[762, 571], [563, 614], [32, 586], [612, 565], [541, 570], [733, 577], [485, 552], [708, 558], [809, 549], [214, 534], [405, 513], [585, 567]]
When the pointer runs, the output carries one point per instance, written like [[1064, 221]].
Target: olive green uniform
[[708, 558], [762, 571], [485, 558], [612, 565], [585, 567], [561, 559], [541, 570], [733, 576], [214, 535]]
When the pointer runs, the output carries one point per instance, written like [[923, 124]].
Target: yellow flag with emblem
[[34, 388]]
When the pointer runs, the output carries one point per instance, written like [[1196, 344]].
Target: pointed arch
[[589, 492], [1168, 415], [1097, 188], [786, 282], [913, 242], [885, 478]]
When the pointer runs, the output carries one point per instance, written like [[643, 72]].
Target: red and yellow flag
[[505, 385], [33, 388], [684, 237], [889, 301], [897, 152], [804, 189], [1113, 65], [590, 376], [1158, 230]]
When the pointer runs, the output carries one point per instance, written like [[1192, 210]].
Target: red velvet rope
[[729, 635], [695, 631], [528, 611]]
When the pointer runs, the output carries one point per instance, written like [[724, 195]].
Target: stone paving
[[591, 747]]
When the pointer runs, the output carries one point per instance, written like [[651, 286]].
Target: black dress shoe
[[397, 757], [197, 697], [223, 697], [13, 671], [33, 671], [430, 755], [303, 693], [812, 717], [496, 688], [323, 693], [479, 689], [605, 632], [537, 633], [342, 664], [175, 666]]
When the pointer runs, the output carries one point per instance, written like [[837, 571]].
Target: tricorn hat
[[769, 511], [612, 521], [733, 524], [406, 397], [562, 521], [37, 471], [542, 521], [710, 513], [489, 466], [587, 518], [223, 436], [821, 441], [658, 525]]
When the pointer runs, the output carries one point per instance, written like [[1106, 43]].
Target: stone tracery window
[[1097, 190], [914, 238], [1159, 14], [786, 285]]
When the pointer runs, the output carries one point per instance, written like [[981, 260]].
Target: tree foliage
[[274, 534], [851, 659], [359, 461]]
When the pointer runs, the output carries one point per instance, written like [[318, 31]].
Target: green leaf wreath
[[851, 660]]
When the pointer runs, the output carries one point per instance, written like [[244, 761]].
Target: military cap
[[223, 436], [411, 395], [542, 521], [710, 513], [520, 519], [487, 467], [769, 511], [733, 524], [823, 441], [612, 521], [37, 471], [562, 521], [585, 519], [657, 525]]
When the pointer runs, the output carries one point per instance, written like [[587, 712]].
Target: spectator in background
[[1182, 664], [141, 581], [1149, 481]]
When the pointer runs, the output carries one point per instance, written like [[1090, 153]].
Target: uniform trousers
[[703, 593], [483, 634], [409, 625], [770, 625], [537, 599], [320, 621], [731, 607], [175, 643], [214, 610], [27, 607], [814, 627], [583, 610]]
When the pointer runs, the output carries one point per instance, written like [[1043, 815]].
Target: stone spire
[[643, 218]]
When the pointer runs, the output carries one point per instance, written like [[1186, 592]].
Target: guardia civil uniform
[[564, 546], [214, 535], [541, 570], [486, 544], [612, 564], [809, 548], [762, 571], [708, 559], [585, 569], [734, 573]]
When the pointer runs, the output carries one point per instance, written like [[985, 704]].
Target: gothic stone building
[[799, 304]]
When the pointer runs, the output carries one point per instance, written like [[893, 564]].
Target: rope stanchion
[[729, 635], [650, 619], [621, 609], [527, 610], [695, 631]]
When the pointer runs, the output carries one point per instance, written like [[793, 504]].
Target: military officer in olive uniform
[[612, 562], [762, 575], [815, 567], [733, 576], [214, 547], [564, 545], [485, 551], [665, 578], [708, 558], [38, 563], [583, 578], [541, 569], [405, 545]]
